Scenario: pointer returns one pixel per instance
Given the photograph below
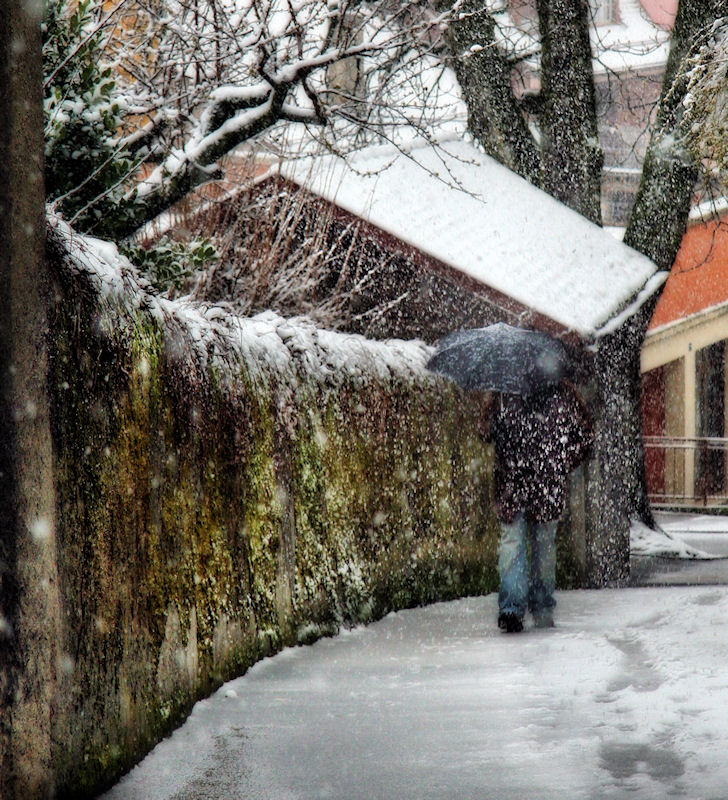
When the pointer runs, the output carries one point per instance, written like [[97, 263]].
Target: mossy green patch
[[207, 518]]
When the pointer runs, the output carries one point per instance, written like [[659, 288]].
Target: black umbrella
[[501, 358]]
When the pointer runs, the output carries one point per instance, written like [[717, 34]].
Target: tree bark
[[572, 157], [484, 75], [660, 213], [28, 570]]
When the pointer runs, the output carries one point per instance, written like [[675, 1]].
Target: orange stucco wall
[[699, 277]]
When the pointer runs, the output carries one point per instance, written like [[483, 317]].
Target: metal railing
[[686, 471]]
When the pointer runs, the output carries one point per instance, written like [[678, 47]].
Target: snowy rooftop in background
[[466, 210], [709, 209]]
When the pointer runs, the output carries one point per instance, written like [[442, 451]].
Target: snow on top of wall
[[470, 212], [268, 345]]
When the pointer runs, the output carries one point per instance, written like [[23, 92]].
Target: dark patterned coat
[[538, 440]]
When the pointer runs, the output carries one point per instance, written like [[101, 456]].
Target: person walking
[[539, 439]]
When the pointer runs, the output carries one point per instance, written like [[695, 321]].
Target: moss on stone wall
[[205, 522]]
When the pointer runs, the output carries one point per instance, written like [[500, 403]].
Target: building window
[[603, 11], [710, 418]]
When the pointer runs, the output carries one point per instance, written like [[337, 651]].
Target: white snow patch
[[6, 629], [266, 345], [709, 210], [624, 698], [616, 322], [41, 529], [617, 232], [647, 542]]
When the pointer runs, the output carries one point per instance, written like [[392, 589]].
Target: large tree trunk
[[572, 157], [28, 573], [484, 75], [568, 161]]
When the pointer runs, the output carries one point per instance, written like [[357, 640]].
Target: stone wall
[[226, 488]]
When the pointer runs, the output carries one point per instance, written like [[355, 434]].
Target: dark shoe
[[510, 623], [543, 619]]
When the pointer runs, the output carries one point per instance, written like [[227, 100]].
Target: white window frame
[[604, 11]]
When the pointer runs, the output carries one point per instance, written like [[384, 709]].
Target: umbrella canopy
[[501, 358]]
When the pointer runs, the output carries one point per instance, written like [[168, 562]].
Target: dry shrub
[[283, 250]]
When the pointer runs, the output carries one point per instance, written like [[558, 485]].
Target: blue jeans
[[527, 582]]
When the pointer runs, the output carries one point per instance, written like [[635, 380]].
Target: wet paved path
[[624, 700]]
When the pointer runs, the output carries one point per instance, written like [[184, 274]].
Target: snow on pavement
[[662, 542], [686, 549], [625, 698]]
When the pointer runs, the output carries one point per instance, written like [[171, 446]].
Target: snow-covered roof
[[698, 282], [709, 209], [469, 212]]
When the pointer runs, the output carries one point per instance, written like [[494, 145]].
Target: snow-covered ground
[[683, 536], [688, 549], [625, 698]]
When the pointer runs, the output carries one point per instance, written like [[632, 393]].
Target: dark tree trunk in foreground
[[28, 580]]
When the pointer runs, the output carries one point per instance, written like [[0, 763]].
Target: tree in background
[[550, 136], [87, 160], [671, 169], [131, 128], [704, 122], [564, 157]]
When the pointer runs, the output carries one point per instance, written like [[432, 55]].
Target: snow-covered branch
[[704, 123], [225, 71]]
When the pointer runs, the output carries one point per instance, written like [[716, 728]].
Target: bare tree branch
[[278, 70]]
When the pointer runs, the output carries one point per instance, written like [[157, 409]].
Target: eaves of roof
[[465, 213]]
